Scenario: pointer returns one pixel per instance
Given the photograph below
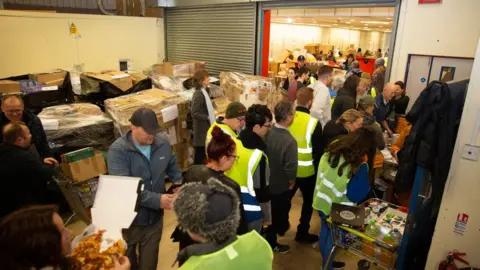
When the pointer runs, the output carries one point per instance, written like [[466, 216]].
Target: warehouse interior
[[83, 67]]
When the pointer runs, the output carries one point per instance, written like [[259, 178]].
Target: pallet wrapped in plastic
[[171, 109], [75, 126], [168, 83], [247, 89]]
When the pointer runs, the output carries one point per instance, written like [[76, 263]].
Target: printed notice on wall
[[170, 113], [461, 224]]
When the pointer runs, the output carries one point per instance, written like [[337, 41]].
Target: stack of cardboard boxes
[[35, 82], [249, 89], [178, 69], [171, 110]]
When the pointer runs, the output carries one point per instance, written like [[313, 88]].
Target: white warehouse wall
[[39, 42], [451, 28]]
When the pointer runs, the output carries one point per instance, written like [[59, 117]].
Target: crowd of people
[[237, 197]]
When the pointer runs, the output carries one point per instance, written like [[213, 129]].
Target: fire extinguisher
[[449, 263]]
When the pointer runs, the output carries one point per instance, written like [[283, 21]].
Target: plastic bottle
[[372, 229], [396, 237], [388, 239]]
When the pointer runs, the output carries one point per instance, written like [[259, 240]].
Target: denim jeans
[[326, 241]]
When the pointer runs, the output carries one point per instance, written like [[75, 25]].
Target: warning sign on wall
[[461, 224], [73, 29]]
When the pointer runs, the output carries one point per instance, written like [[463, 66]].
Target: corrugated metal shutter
[[326, 3], [222, 35]]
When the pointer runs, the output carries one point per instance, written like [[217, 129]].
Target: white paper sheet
[[49, 88], [120, 76], [50, 124], [114, 206], [170, 113]]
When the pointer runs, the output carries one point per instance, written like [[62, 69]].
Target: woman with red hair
[[221, 155]]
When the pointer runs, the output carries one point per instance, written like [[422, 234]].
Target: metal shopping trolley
[[79, 196], [375, 250]]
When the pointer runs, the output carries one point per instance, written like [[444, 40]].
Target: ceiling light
[[352, 20], [348, 22], [340, 18], [289, 20]]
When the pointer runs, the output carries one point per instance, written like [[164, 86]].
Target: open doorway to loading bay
[[325, 32]]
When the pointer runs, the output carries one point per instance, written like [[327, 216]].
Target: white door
[[451, 69], [417, 77]]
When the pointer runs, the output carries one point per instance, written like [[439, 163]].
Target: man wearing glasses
[[258, 123], [13, 111], [246, 164]]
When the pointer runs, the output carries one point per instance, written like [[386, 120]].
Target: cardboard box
[[84, 169], [120, 79], [171, 109], [7, 87], [221, 105], [247, 89], [181, 152], [284, 55], [137, 77], [274, 67], [179, 69], [51, 79]]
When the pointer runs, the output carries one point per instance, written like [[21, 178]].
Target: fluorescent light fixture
[[289, 20], [375, 22]]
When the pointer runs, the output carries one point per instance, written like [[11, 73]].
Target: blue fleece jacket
[[124, 159]]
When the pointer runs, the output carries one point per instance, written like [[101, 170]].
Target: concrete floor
[[304, 257]]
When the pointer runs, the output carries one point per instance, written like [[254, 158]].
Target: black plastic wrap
[[35, 102], [76, 126]]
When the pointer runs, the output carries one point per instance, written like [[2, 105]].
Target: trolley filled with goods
[[372, 231]]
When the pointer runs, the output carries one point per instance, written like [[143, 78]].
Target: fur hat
[[209, 209]]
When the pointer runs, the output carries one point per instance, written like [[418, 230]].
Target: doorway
[[423, 69]]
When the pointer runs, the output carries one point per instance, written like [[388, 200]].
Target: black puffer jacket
[[331, 132]]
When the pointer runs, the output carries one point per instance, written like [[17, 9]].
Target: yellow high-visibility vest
[[302, 129]]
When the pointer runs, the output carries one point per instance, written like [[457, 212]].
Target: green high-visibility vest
[[249, 251], [302, 130], [330, 187]]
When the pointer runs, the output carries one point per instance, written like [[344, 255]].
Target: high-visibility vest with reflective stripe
[[249, 251], [330, 188], [226, 129], [302, 129], [242, 172], [373, 92]]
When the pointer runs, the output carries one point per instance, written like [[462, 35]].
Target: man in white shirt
[[321, 101]]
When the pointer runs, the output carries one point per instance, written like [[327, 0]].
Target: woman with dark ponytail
[[221, 155]]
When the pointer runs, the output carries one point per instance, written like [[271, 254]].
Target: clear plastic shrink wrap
[[171, 109], [249, 89], [75, 126]]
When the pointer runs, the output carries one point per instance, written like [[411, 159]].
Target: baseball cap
[[301, 58], [235, 109], [146, 119], [367, 100]]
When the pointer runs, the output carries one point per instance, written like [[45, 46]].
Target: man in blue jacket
[[142, 153]]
